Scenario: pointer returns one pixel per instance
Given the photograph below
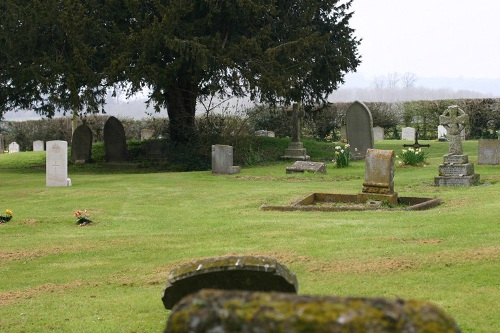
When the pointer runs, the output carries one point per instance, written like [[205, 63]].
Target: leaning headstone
[[456, 169], [303, 166], [359, 124], [13, 147], [81, 144], [222, 160], [114, 141], [378, 133], [488, 151], [57, 163], [379, 177], [296, 150], [225, 311], [408, 133], [38, 145], [146, 134], [229, 273]]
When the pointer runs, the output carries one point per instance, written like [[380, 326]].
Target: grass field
[[109, 276]]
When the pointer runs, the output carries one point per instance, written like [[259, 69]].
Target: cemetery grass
[[109, 276]]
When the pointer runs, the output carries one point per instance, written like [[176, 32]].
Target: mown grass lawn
[[109, 276]]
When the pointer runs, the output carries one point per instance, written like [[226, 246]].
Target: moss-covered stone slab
[[252, 273], [247, 312]]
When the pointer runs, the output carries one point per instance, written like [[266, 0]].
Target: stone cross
[[454, 120], [296, 115]]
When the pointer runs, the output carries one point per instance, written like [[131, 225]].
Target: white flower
[[337, 147]]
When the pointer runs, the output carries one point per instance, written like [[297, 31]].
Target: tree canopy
[[66, 54]]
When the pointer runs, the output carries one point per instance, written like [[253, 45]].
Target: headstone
[[114, 141], [343, 133], [81, 144], [456, 169], [146, 134], [296, 150], [359, 126], [378, 133], [302, 166], [229, 273], [222, 160], [408, 133], [379, 176], [13, 147], [57, 163], [225, 311], [38, 145], [269, 134], [488, 151]]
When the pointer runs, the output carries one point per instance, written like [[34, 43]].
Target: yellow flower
[[8, 212]]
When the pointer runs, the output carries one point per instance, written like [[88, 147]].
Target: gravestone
[[456, 169], [146, 134], [269, 134], [378, 133], [57, 163], [379, 177], [302, 166], [408, 133], [488, 151], [38, 145], [229, 273], [359, 126], [114, 141], [296, 150], [225, 311], [81, 144], [14, 147], [222, 160], [343, 133]]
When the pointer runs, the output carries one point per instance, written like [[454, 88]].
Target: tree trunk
[[181, 108]]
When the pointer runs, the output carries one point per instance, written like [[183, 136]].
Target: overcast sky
[[430, 38]]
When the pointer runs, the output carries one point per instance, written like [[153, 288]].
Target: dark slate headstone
[[359, 130], [225, 311], [229, 273], [81, 144], [114, 141]]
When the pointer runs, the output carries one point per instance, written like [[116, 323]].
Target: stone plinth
[[456, 171], [302, 166], [296, 151]]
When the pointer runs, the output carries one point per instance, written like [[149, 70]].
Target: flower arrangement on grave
[[342, 156], [82, 218], [412, 156], [7, 217]]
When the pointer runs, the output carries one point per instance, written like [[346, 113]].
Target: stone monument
[[57, 163], [359, 125], [378, 133], [296, 150], [456, 169], [114, 141], [408, 133], [379, 177], [38, 145], [222, 160], [488, 151], [14, 147], [81, 144]]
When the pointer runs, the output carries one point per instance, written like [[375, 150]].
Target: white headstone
[[442, 132], [378, 133], [408, 133], [38, 145], [57, 163], [13, 147]]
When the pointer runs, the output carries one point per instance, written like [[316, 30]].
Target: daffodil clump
[[342, 156], [7, 217], [412, 156]]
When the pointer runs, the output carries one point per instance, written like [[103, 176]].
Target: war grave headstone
[[57, 163], [114, 141], [146, 134], [296, 150], [252, 273], [359, 126], [456, 169], [379, 177], [378, 133], [488, 151], [303, 166], [81, 144], [13, 147], [408, 133], [224, 311], [38, 145], [222, 160]]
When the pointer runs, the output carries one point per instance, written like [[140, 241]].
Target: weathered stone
[[408, 133], [247, 312], [456, 159], [13, 147], [230, 273], [114, 141], [38, 145], [146, 134], [359, 124], [296, 150], [81, 144], [378, 133], [488, 152], [302, 166], [469, 180], [454, 120], [222, 160], [379, 175]]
